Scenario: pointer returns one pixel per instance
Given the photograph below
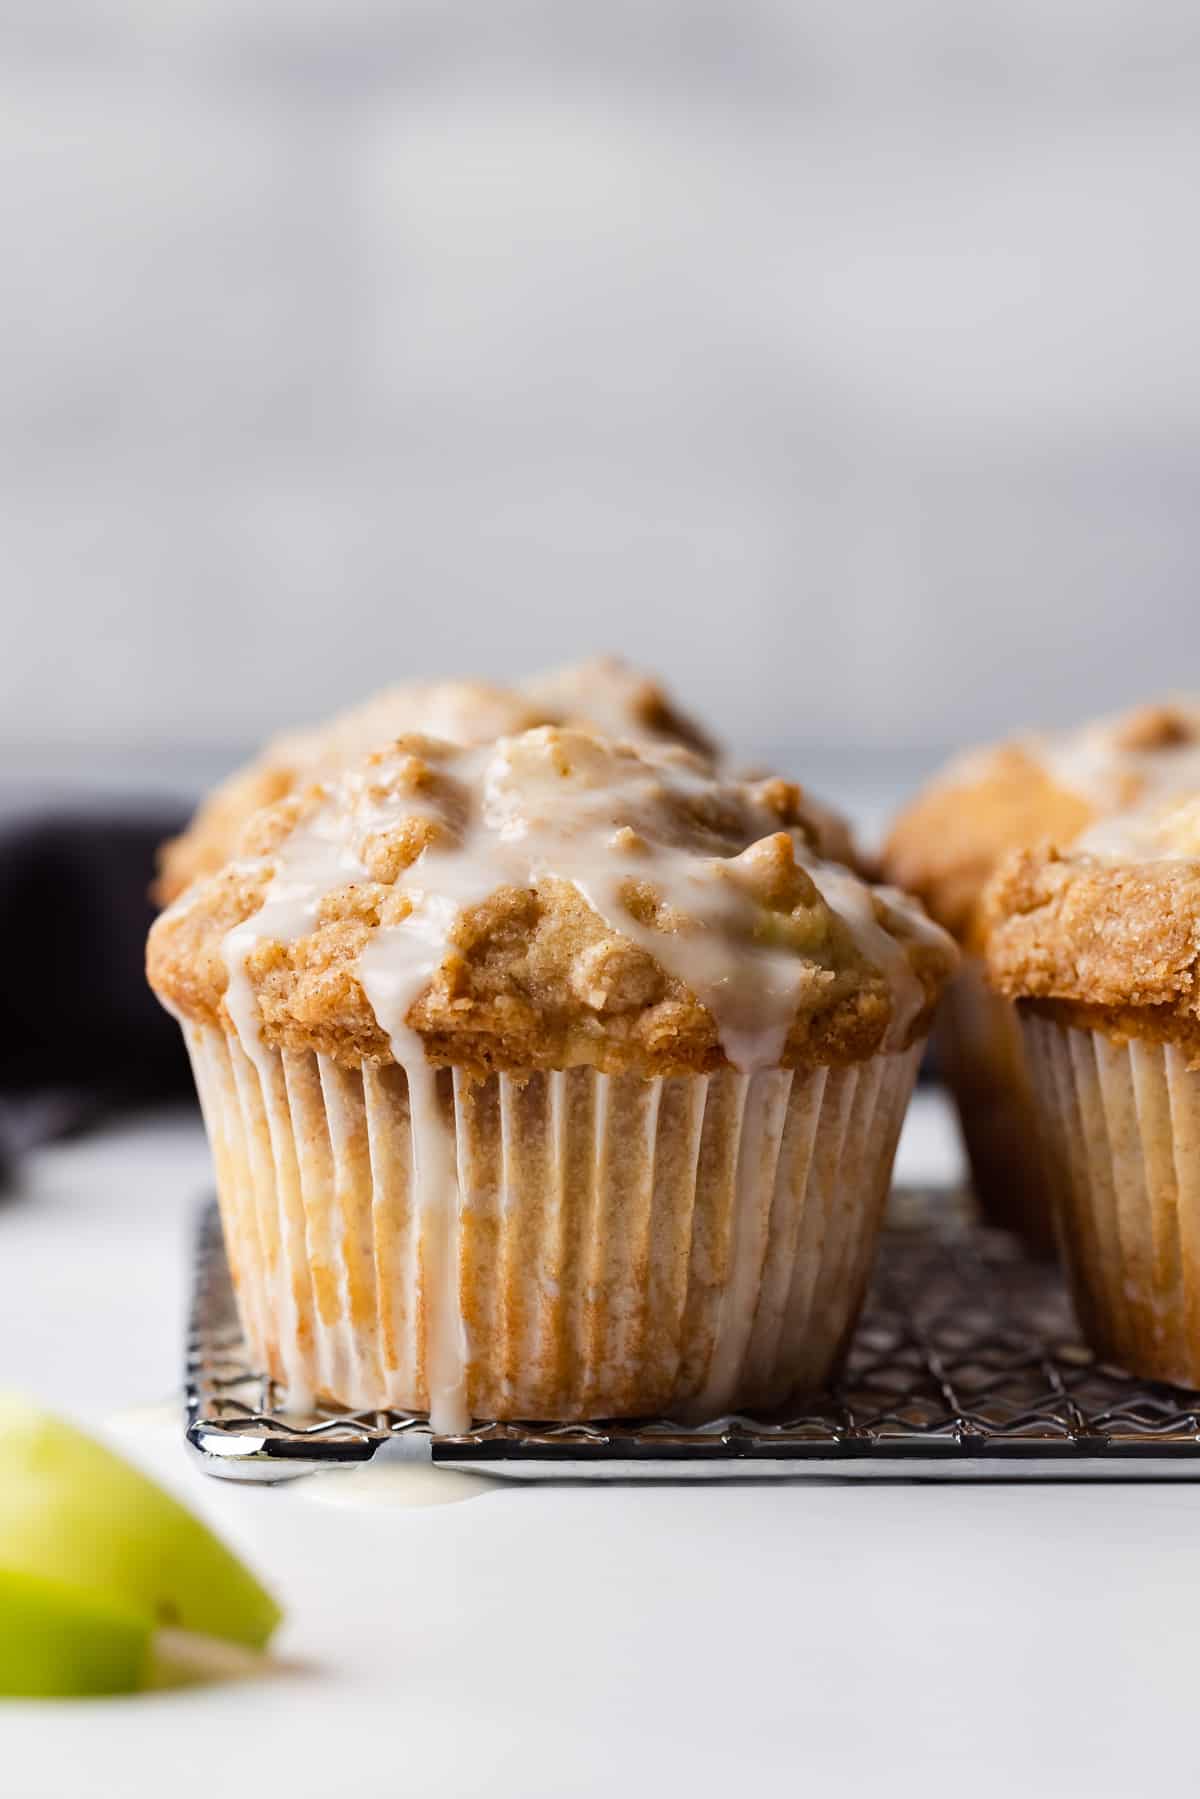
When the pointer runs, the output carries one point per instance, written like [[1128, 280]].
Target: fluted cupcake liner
[[1121, 1129], [554, 1245], [986, 1069]]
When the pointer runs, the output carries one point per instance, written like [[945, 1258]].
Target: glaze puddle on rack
[[400, 1475], [967, 1364]]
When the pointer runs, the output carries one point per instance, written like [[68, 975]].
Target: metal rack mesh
[[966, 1364]]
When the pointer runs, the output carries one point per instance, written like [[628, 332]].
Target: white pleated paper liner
[[1121, 1127], [986, 1068], [608, 1246]]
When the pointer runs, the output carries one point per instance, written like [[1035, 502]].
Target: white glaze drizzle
[[563, 806]]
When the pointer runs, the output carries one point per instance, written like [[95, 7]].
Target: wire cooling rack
[[967, 1364]]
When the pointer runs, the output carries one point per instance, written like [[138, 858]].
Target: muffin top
[[550, 899], [604, 694], [1034, 789], [1109, 933]]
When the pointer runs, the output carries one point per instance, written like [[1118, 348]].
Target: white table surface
[[807, 1639]]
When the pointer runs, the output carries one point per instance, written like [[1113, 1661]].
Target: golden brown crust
[[1161, 725], [605, 695], [1117, 944], [534, 978], [459, 711], [946, 844], [1040, 790], [602, 695]]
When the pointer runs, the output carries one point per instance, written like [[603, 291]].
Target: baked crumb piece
[[605, 695], [1157, 727]]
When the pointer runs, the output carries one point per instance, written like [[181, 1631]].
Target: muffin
[[603, 694], [1100, 948], [551, 1078], [945, 846]]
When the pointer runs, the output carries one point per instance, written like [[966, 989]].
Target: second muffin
[[1101, 948], [1045, 787], [547, 1079]]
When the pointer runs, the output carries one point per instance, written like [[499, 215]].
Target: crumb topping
[[603, 695], [1111, 931], [548, 899], [608, 697], [1037, 789]]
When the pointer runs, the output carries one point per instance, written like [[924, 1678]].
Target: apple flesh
[[57, 1641], [74, 1514]]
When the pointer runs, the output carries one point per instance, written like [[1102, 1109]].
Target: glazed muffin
[[946, 845], [604, 694], [549, 1078], [1100, 948]]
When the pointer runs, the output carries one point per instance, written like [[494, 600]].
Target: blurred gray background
[[840, 361]]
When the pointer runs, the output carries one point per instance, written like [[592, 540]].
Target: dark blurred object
[[79, 1028], [42, 1115]]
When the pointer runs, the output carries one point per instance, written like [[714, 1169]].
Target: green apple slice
[[73, 1512], [57, 1641]]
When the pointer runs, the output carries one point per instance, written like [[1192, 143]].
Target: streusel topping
[[1040, 788], [549, 899], [608, 697], [1112, 930], [605, 695]]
